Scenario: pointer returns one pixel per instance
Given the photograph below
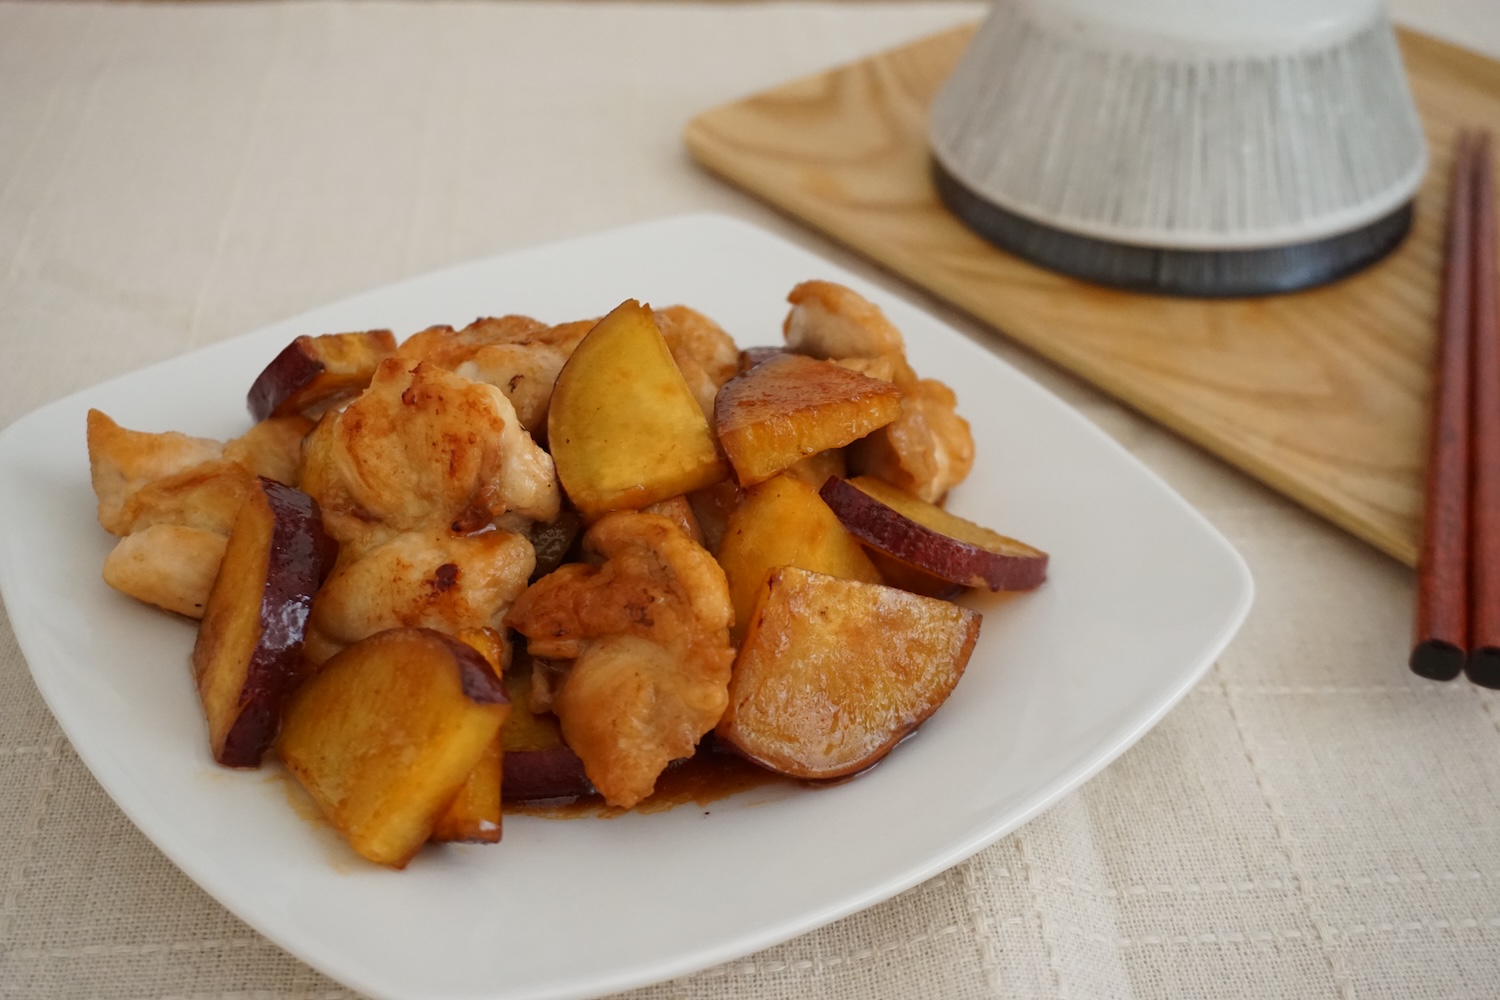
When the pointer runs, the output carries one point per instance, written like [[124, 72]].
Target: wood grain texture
[[1323, 395]]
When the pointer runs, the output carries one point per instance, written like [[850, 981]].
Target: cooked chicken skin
[[928, 449], [680, 512], [830, 321], [172, 498], [705, 354], [422, 579], [524, 372], [629, 707], [448, 348], [169, 565], [272, 448], [690, 333], [424, 447], [647, 627], [525, 365], [122, 461]]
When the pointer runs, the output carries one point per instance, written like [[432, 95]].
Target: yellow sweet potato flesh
[[247, 658], [232, 623], [314, 374], [791, 406], [474, 815], [783, 522], [387, 733], [624, 428], [833, 673]]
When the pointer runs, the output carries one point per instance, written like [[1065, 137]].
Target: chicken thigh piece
[[420, 579], [646, 624], [928, 449], [424, 447]]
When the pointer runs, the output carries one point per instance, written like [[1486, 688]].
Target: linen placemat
[[1310, 822]]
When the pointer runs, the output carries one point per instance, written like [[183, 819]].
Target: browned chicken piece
[[887, 368], [830, 321], [926, 451], [272, 448], [564, 336], [421, 579], [690, 333], [173, 499], [680, 512], [122, 461], [206, 496], [699, 383], [525, 367], [448, 348], [169, 565], [422, 448], [705, 354], [525, 372], [647, 626], [177, 527]]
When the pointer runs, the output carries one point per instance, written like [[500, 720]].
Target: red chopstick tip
[[1437, 660]]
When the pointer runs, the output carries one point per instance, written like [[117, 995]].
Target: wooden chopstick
[[1441, 640], [1483, 665]]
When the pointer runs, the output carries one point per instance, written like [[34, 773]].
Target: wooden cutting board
[[1322, 395]]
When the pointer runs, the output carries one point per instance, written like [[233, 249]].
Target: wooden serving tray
[[1322, 395]]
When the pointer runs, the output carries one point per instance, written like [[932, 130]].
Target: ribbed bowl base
[[1167, 271]]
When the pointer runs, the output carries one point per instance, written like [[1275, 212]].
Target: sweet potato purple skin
[[889, 531], [301, 556], [540, 775], [299, 376]]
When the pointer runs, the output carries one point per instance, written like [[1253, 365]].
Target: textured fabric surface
[[1310, 822]]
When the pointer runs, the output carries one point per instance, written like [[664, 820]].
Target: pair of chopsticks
[[1458, 573]]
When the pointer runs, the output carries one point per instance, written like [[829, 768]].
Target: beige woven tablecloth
[[1310, 822]]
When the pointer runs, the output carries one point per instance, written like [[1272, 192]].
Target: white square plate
[[1143, 595]]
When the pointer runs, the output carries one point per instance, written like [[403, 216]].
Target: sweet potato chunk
[[538, 765], [834, 673], [623, 425], [932, 540], [249, 647], [474, 817], [314, 374], [387, 733], [783, 522], [790, 406]]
